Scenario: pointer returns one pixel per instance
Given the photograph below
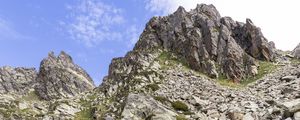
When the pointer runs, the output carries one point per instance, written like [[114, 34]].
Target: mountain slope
[[171, 47], [192, 65]]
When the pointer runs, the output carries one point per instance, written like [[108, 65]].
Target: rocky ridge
[[192, 65], [47, 94]]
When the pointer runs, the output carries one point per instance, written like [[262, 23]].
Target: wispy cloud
[[94, 22], [165, 7], [160, 6], [8, 32]]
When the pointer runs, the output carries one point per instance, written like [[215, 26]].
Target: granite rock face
[[59, 77], [205, 39], [296, 51], [17, 80]]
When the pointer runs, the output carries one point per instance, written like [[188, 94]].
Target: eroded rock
[[59, 77]]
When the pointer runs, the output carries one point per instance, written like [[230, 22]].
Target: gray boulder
[[138, 107]]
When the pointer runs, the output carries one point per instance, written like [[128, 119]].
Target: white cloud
[[8, 32], [94, 21], [278, 20]]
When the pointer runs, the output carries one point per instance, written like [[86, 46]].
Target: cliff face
[[208, 42]]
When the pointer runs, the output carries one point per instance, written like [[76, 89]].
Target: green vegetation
[[153, 87], [168, 61], [85, 114], [171, 60], [188, 113], [180, 117], [178, 105], [31, 96], [295, 61], [161, 99], [263, 69]]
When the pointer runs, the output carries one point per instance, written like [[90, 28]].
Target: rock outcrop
[[140, 107], [59, 77], [16, 80], [208, 42], [296, 51]]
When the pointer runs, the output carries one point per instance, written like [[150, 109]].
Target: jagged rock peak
[[63, 58], [208, 10], [205, 40], [59, 77]]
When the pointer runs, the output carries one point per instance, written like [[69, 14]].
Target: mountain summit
[[208, 42], [193, 65]]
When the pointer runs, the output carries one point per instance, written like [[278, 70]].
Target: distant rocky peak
[[65, 57], [209, 10], [62, 59], [59, 77], [180, 11], [249, 21]]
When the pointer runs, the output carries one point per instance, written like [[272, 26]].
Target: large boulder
[[59, 77], [139, 106], [16, 80]]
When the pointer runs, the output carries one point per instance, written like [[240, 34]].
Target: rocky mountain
[[28, 94], [60, 77], [190, 65], [296, 51]]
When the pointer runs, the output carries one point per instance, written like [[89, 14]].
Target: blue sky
[[29, 29], [95, 31]]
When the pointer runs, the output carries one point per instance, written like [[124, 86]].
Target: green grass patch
[[295, 61], [181, 117], [161, 99], [31, 96], [85, 114], [153, 87], [263, 69], [171, 60], [178, 105]]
